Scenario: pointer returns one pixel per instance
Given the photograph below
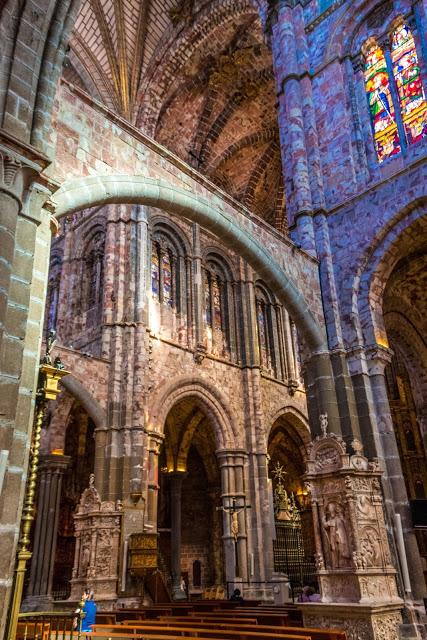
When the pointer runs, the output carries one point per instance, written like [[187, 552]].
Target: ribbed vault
[[197, 76]]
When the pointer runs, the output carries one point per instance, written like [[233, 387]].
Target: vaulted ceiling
[[195, 75]]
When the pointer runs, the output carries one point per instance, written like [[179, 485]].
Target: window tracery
[[93, 278], [396, 98], [407, 75], [164, 283], [263, 316], [217, 296], [383, 117]]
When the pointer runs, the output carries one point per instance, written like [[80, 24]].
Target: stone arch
[[207, 397], [296, 419], [216, 255], [413, 350], [345, 35], [82, 193], [88, 402], [375, 267], [177, 236]]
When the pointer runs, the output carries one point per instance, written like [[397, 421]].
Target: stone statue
[[324, 424], [336, 532]]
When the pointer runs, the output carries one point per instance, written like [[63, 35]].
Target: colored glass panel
[[262, 331], [386, 136], [155, 275], [167, 278], [406, 69], [207, 288], [216, 304]]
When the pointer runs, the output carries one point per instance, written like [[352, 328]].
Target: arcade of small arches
[[237, 286]]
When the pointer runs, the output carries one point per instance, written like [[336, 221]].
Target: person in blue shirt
[[89, 609]]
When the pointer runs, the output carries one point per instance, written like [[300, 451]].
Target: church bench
[[246, 630], [316, 633], [278, 619], [202, 618], [116, 635], [208, 632]]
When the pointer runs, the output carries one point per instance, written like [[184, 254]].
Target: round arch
[[210, 401], [92, 407], [82, 193]]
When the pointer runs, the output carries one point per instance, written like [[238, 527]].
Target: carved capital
[[378, 358], [11, 178], [35, 197]]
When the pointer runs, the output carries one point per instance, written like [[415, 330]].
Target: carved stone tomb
[[356, 576], [97, 529]]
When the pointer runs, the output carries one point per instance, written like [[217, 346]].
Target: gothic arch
[[344, 37], [296, 419], [209, 399], [82, 193], [375, 267]]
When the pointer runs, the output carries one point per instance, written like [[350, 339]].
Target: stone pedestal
[[357, 580], [96, 560], [361, 622]]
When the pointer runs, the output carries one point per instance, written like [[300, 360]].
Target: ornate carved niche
[[97, 529], [352, 552]]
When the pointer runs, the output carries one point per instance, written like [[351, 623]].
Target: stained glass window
[[216, 303], [406, 70], [262, 331], [207, 292], [53, 292], [386, 135], [155, 275], [167, 278]]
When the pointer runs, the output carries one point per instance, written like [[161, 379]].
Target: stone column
[[175, 480], [235, 534], [198, 293], [39, 594], [393, 476], [24, 250], [152, 478]]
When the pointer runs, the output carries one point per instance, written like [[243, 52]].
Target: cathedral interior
[[213, 237]]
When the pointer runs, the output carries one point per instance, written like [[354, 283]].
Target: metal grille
[[289, 557]]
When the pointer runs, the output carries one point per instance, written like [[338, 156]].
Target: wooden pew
[[201, 617], [315, 633], [109, 635], [279, 619]]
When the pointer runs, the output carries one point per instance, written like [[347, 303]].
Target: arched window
[[386, 135], [52, 295], [164, 281], [93, 278], [395, 93], [264, 330], [218, 306], [406, 71]]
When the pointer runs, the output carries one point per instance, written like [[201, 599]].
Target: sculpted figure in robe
[[334, 525]]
